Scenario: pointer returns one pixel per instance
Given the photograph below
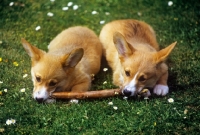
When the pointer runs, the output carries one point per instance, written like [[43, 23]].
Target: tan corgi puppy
[[132, 52], [73, 56]]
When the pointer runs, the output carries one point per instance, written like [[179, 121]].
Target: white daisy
[[110, 103], [115, 107], [8, 122], [102, 22], [170, 100], [94, 12], [50, 14], [11, 3], [105, 69], [22, 90], [105, 82], [5, 90], [70, 4], [37, 28], [107, 13], [139, 13], [25, 75], [170, 3], [13, 121], [75, 7], [125, 97], [65, 8]]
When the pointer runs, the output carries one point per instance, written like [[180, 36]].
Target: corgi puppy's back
[[132, 52]]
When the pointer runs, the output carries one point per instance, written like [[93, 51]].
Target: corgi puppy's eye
[[38, 78], [142, 78], [127, 72], [52, 83]]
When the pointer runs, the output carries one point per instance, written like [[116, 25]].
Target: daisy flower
[[107, 13], [22, 90], [11, 3], [102, 22], [94, 12], [37, 28], [10, 121], [139, 13], [110, 103], [170, 3], [65, 8], [105, 82], [105, 69], [50, 14], [170, 100], [13, 121], [125, 98], [70, 4], [5, 90], [115, 107], [75, 7], [25, 75]]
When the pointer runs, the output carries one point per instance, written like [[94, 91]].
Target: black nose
[[40, 100], [127, 92]]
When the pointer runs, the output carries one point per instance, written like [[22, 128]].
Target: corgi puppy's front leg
[[161, 87]]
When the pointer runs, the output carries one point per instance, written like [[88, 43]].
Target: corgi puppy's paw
[[146, 94], [161, 90], [74, 101]]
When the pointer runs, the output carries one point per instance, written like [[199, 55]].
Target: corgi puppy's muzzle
[[132, 52]]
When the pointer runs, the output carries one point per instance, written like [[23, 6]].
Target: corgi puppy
[[73, 56], [131, 49]]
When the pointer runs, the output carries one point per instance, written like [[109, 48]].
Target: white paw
[[50, 100], [75, 101], [161, 89]]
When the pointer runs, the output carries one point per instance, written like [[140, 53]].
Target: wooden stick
[[88, 94]]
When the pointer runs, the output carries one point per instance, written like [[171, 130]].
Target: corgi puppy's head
[[50, 72], [139, 69]]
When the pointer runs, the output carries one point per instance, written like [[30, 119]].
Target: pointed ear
[[123, 48], [32, 51], [164, 53], [72, 59]]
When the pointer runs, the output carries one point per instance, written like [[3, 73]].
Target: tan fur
[[73, 56], [130, 45]]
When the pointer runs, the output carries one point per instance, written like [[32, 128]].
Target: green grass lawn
[[179, 22]]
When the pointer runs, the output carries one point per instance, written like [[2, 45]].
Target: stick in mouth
[[88, 94]]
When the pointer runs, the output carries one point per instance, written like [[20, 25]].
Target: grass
[[179, 22]]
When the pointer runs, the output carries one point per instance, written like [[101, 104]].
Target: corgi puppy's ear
[[123, 48], [164, 53], [72, 59], [32, 51]]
